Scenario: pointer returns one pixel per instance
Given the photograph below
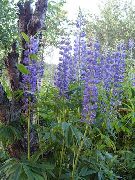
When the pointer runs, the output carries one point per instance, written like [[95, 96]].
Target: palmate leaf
[[9, 133], [8, 168], [17, 173], [46, 166], [7, 164], [14, 169], [28, 172], [77, 134], [39, 177], [85, 171], [70, 132], [14, 172], [108, 141], [67, 132], [36, 155]]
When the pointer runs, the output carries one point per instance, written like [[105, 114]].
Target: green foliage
[[10, 133], [56, 22], [68, 148], [22, 69], [8, 24], [105, 151], [25, 170], [6, 86], [108, 148], [8, 30], [25, 37], [114, 23], [33, 56]]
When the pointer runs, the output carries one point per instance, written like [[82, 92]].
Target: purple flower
[[85, 65], [36, 71], [91, 80], [62, 78], [80, 49]]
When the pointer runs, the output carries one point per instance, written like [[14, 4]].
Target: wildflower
[[62, 79], [35, 68]]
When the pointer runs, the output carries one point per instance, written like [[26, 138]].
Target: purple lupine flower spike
[[91, 79], [36, 71], [62, 78]]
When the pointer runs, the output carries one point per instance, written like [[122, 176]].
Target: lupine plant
[[62, 78], [35, 68], [102, 74], [79, 54], [31, 83], [84, 123], [100, 70]]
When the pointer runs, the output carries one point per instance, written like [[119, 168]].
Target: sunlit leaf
[[33, 56], [25, 37], [22, 69]]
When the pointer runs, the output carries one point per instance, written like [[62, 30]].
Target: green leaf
[[65, 126], [46, 166], [67, 132], [77, 134], [18, 94], [28, 172], [100, 176], [36, 155], [22, 69], [25, 37], [38, 176], [6, 88], [33, 56], [85, 171], [17, 173], [6, 165]]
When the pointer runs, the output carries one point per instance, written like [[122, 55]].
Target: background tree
[[56, 22], [114, 23]]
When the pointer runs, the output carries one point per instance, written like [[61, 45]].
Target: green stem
[[78, 153], [63, 145], [61, 159], [28, 129], [37, 108], [38, 116]]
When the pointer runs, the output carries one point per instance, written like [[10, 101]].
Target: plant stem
[[61, 159], [28, 129], [63, 144], [38, 121], [78, 153]]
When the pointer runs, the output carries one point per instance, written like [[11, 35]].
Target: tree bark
[[4, 106], [30, 23]]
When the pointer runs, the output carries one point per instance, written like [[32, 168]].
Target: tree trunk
[[30, 23]]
